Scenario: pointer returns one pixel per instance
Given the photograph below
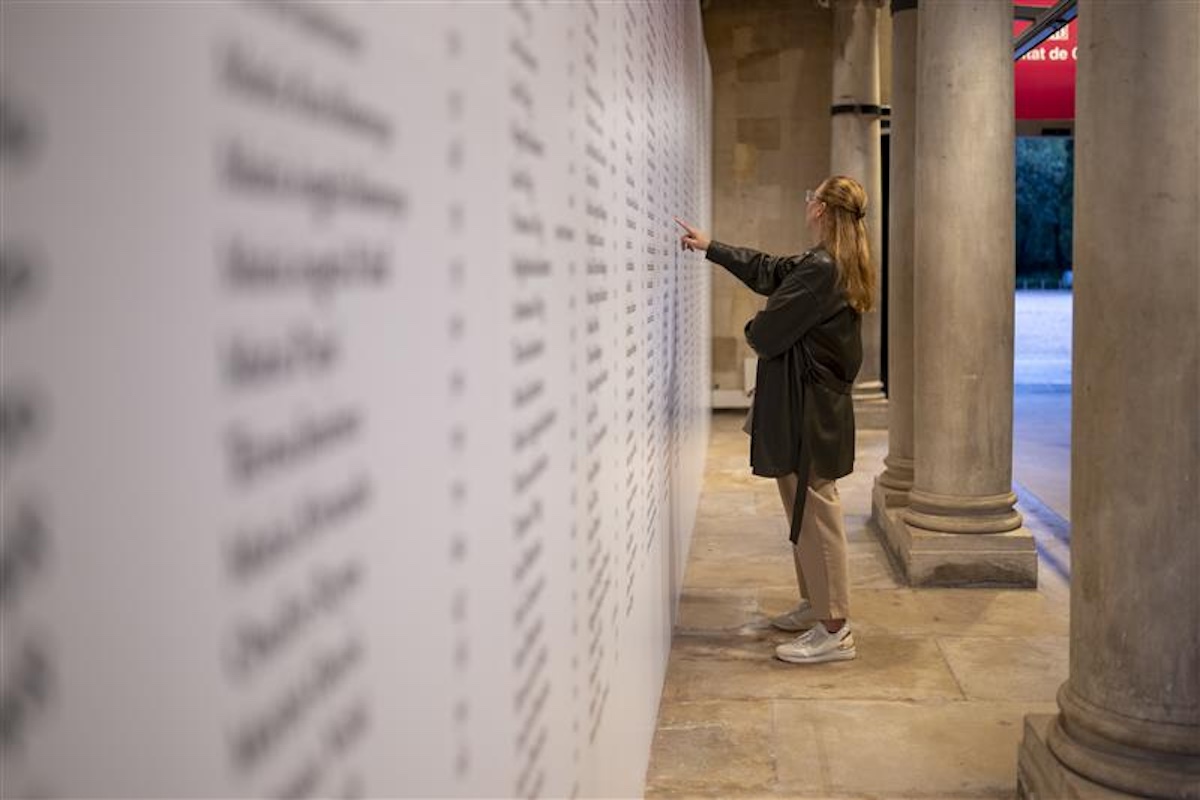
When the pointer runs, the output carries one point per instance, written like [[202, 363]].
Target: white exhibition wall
[[354, 394]]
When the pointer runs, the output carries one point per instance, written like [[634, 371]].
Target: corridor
[[933, 706]]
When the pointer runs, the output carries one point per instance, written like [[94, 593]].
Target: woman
[[809, 345]]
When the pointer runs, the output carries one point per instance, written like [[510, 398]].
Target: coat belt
[[814, 375], [819, 376]]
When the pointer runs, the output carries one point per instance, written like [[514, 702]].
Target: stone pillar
[[893, 484], [961, 526], [1130, 710], [854, 151]]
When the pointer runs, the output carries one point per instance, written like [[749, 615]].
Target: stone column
[[854, 151], [961, 525], [1130, 710], [893, 484]]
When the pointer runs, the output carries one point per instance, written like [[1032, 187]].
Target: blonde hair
[[844, 235]]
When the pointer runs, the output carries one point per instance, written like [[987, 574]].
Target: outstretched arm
[[762, 273]]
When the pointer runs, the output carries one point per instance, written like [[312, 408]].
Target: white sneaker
[[819, 645], [800, 618]]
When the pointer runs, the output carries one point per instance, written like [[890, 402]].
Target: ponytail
[[844, 235]]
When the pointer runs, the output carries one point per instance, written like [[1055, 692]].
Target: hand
[[694, 239]]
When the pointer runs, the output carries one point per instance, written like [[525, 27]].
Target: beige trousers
[[822, 566]]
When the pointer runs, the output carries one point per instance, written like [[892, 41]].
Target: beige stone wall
[[771, 63], [772, 66]]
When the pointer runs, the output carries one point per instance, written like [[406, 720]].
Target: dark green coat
[[809, 346]]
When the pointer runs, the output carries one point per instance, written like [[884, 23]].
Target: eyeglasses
[[810, 196]]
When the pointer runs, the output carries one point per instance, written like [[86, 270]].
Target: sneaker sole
[[835, 655]]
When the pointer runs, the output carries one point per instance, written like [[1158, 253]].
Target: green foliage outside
[[1045, 200]]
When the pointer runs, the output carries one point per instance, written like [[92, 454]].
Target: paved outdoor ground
[[1042, 398], [1042, 421]]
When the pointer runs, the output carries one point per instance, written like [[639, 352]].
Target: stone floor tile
[[1055, 588], [723, 572], [724, 792], [729, 422], [872, 611], [769, 504], [871, 569], [863, 547], [995, 612], [727, 455], [860, 528], [774, 600], [726, 503], [717, 611], [941, 612], [744, 667], [719, 749], [871, 579], [767, 533], [932, 707], [926, 749], [861, 482], [732, 549], [738, 477], [1019, 668], [731, 447]]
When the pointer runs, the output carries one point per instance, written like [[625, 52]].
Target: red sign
[[1044, 78]]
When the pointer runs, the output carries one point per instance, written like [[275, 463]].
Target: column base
[[887, 508], [896, 480], [884, 496], [1150, 757], [965, 559], [1041, 776], [927, 558]]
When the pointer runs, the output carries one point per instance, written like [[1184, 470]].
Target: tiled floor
[[931, 708]]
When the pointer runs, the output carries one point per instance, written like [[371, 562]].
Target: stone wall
[[772, 72]]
